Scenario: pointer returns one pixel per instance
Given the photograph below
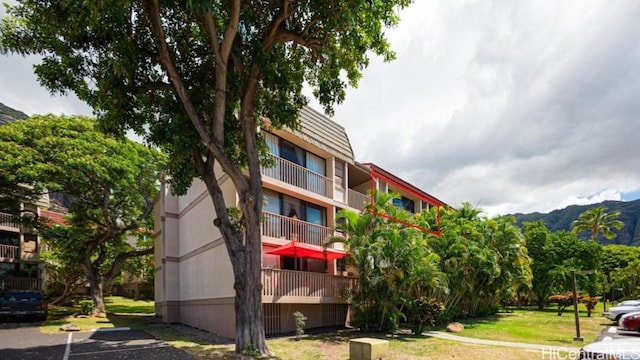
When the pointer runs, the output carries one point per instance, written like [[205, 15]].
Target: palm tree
[[597, 220], [393, 261]]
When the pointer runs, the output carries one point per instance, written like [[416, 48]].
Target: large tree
[[554, 255], [112, 183], [198, 78]]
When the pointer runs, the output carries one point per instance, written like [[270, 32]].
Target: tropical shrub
[[86, 307], [562, 301], [423, 312], [590, 303], [300, 322]]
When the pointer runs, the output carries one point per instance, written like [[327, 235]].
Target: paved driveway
[[614, 332], [24, 341]]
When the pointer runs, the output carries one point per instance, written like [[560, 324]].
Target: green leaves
[[197, 78], [112, 182], [598, 221]]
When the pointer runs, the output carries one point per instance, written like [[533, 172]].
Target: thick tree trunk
[[247, 270], [248, 301], [245, 253], [97, 295]]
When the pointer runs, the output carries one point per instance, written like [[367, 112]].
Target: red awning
[[301, 250]]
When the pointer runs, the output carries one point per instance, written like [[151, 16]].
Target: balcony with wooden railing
[[282, 227], [9, 221], [8, 283], [296, 175], [288, 286], [9, 253], [357, 200]]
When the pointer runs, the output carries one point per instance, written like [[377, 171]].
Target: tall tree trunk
[[248, 281], [96, 286], [540, 302], [97, 295], [248, 299], [245, 253]]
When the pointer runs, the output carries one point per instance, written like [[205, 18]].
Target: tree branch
[[209, 178], [168, 64], [157, 85], [270, 35], [120, 259], [221, 52]]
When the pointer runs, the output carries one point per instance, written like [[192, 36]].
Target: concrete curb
[[112, 329], [447, 336]]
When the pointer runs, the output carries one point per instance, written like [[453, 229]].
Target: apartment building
[[315, 176], [20, 267]]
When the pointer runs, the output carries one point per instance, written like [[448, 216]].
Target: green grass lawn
[[122, 312], [123, 305], [536, 327]]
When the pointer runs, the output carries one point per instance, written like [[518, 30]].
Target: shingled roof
[[325, 133]]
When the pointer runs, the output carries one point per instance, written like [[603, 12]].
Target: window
[[292, 153], [272, 143], [272, 201], [316, 164], [315, 215], [9, 238], [404, 203], [339, 170]]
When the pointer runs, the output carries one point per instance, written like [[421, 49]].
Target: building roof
[[325, 133], [54, 217], [402, 183]]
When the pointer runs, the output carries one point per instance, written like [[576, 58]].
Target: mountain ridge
[[561, 219], [8, 114]]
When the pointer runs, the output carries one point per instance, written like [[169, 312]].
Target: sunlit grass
[[135, 310], [123, 305], [537, 327]]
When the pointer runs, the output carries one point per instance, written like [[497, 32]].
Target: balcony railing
[[297, 175], [357, 200], [18, 283], [280, 226], [289, 283], [9, 220], [9, 252]]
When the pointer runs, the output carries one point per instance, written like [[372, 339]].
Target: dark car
[[15, 304]]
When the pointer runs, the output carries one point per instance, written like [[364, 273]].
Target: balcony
[[282, 227], [357, 200], [288, 286], [9, 252], [19, 283], [9, 221], [296, 175]]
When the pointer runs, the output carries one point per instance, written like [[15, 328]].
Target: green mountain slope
[[8, 114], [561, 220]]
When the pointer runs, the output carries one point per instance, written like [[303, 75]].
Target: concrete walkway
[[448, 336]]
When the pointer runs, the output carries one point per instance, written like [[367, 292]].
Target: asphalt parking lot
[[614, 332], [25, 341]]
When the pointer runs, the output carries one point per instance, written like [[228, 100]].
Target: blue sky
[[634, 195]]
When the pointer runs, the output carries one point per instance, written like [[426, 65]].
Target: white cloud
[[513, 106]]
